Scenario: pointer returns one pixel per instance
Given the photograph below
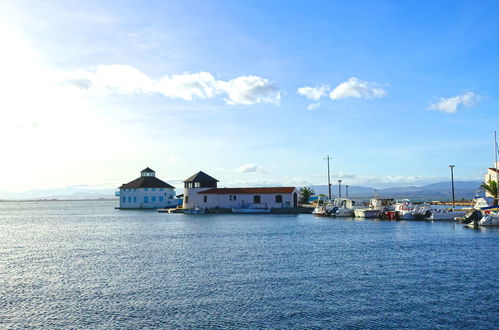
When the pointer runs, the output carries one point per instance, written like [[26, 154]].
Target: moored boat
[[251, 208], [375, 207], [343, 207]]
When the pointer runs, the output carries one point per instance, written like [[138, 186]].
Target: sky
[[254, 93]]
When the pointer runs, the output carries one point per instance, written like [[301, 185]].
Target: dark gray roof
[[146, 182], [200, 177], [147, 169]]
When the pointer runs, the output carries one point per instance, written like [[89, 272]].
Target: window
[[160, 198], [257, 199], [278, 198], [146, 189], [161, 189], [197, 184], [146, 199], [123, 199], [153, 198], [205, 198], [135, 199], [230, 197], [187, 199], [129, 199], [153, 189]]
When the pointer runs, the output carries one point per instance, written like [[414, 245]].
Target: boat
[[446, 214], [489, 220], [405, 210], [343, 207], [193, 210], [375, 207], [324, 209], [251, 208]]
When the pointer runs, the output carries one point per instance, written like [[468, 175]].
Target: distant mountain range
[[69, 193], [439, 190]]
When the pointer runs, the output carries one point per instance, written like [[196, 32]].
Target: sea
[[87, 265]]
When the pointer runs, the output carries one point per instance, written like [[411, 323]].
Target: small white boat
[[375, 207], [322, 209], [251, 208], [405, 210], [489, 220], [343, 207], [193, 210], [446, 214]]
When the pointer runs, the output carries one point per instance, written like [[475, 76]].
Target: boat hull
[[250, 211], [363, 213]]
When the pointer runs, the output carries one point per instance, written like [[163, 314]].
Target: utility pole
[[328, 176], [339, 188], [452, 183]]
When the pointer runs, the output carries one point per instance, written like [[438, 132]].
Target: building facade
[[201, 190], [492, 175], [147, 192]]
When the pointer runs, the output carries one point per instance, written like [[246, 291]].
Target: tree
[[491, 188], [306, 193]]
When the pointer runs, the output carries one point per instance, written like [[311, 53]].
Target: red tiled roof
[[260, 190], [493, 169]]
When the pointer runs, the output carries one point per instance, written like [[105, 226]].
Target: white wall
[[196, 198], [139, 193], [491, 175]]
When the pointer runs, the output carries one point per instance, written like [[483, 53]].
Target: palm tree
[[306, 193], [491, 188]]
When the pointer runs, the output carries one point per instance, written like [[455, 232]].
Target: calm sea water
[[87, 265]]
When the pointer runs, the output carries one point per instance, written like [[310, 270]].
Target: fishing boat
[[251, 208], [375, 207], [405, 210]]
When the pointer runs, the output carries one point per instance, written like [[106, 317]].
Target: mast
[[496, 151], [328, 176]]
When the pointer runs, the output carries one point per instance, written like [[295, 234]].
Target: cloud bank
[[452, 104], [126, 80]]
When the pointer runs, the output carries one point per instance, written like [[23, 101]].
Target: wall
[[167, 193], [223, 201]]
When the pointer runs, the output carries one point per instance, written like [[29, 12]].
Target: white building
[[201, 190], [492, 175], [147, 192]]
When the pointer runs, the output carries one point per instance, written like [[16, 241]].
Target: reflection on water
[[86, 265]]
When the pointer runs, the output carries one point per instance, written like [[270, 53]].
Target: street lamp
[[346, 187], [452, 183], [339, 188]]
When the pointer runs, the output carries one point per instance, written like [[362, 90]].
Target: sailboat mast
[[328, 177], [496, 151]]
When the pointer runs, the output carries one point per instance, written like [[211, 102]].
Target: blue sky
[[253, 93]]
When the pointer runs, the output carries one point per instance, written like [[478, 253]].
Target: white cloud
[[313, 106], [451, 104], [251, 90], [250, 168], [355, 88], [126, 79], [314, 93]]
